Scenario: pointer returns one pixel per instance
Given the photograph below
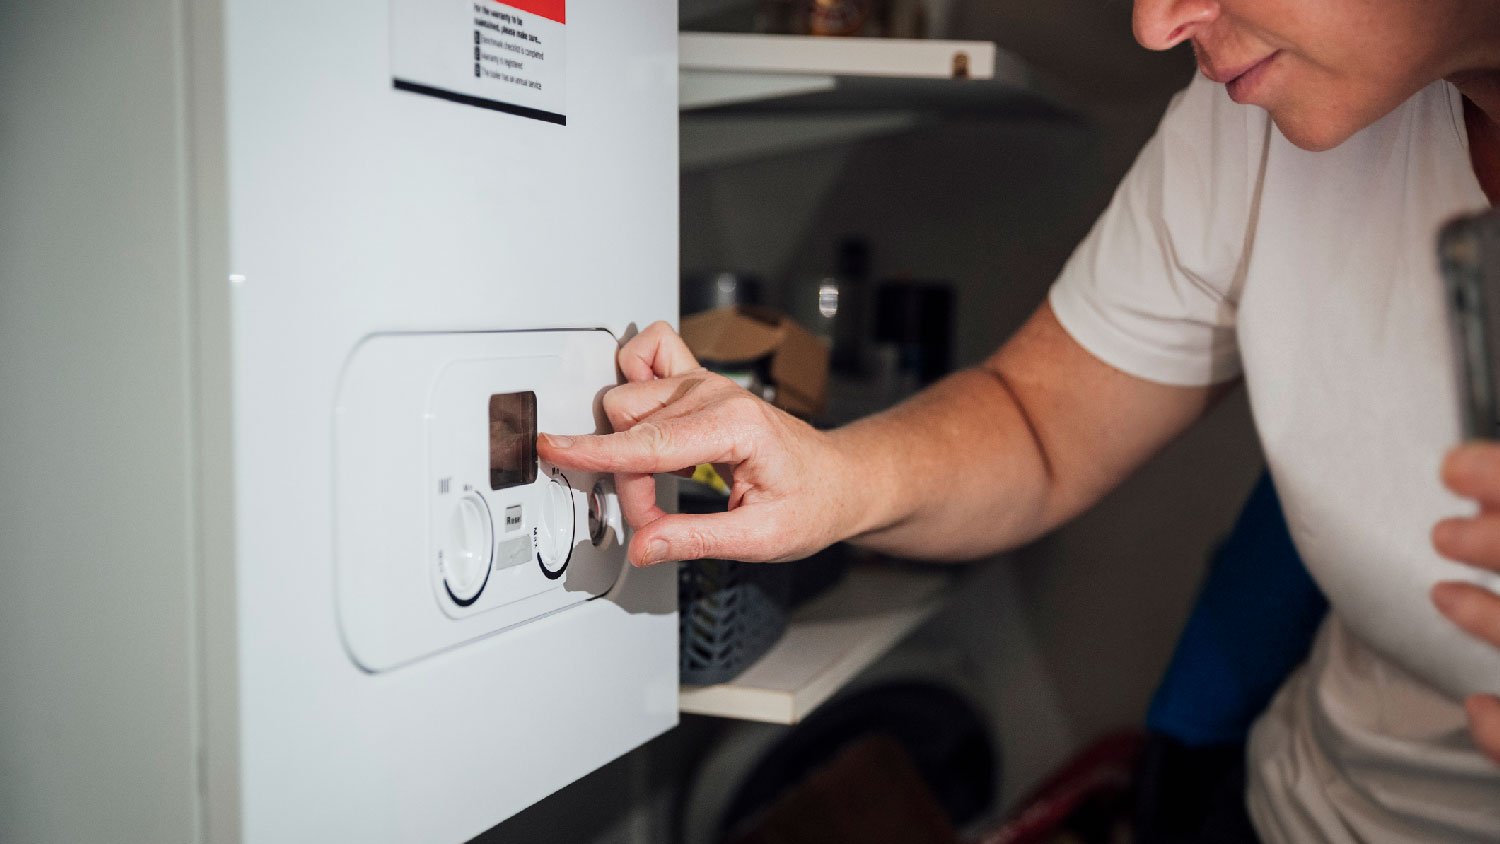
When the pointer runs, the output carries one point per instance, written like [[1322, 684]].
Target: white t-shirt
[[1229, 251]]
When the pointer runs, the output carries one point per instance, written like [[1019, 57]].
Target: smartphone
[[1469, 254]]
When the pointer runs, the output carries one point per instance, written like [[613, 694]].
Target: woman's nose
[[1163, 24]]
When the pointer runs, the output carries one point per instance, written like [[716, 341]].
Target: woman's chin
[[1312, 132], [1322, 117]]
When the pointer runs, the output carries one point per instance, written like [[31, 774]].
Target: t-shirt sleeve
[[1153, 289]]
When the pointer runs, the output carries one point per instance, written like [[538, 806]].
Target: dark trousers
[[1191, 795]]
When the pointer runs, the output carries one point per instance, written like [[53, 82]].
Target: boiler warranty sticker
[[506, 56]]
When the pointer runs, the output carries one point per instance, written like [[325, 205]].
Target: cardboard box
[[782, 354]]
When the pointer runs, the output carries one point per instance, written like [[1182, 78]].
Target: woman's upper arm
[[1093, 424]]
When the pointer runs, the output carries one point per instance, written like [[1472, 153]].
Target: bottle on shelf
[[838, 18], [913, 332], [834, 306]]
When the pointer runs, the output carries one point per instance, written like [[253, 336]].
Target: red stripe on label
[[552, 9]]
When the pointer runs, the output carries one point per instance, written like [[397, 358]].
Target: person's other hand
[[673, 415], [1473, 471]]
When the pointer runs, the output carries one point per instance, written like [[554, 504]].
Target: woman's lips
[[1241, 82]]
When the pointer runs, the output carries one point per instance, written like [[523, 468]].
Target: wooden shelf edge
[[827, 644]]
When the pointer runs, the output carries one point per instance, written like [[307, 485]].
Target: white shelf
[[721, 69], [827, 643], [744, 96]]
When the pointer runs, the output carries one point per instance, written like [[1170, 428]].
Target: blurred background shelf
[[785, 71], [828, 642], [746, 95]]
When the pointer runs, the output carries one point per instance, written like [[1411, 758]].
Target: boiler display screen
[[512, 439]]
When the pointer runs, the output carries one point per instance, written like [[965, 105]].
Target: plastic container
[[729, 613]]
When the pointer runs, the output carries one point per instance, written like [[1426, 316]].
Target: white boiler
[[286, 291]]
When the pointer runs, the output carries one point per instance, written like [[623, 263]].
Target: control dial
[[466, 549], [604, 511], [555, 533]]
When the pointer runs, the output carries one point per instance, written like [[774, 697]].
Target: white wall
[[96, 486]]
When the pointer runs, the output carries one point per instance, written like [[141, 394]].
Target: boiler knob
[[604, 511], [555, 535], [466, 549]]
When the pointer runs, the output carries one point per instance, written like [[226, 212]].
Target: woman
[[1278, 228]]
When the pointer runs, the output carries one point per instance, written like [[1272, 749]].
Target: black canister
[[915, 318]]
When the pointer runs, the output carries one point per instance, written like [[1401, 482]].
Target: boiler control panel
[[449, 528]]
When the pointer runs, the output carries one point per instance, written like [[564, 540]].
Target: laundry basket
[[729, 613]]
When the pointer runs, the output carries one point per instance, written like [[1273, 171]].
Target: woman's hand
[[1473, 471], [673, 415]]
